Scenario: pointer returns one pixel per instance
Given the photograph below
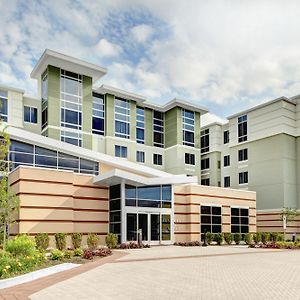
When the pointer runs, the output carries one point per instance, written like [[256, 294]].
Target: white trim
[[68, 63]]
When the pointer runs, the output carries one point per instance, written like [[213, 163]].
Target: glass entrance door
[[143, 225], [155, 227]]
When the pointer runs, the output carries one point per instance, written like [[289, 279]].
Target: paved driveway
[[187, 273]]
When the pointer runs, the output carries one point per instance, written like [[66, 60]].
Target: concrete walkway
[[187, 273]]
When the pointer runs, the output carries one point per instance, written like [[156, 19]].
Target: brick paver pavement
[[203, 273]]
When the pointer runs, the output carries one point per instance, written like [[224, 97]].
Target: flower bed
[[277, 245], [188, 244], [132, 245]]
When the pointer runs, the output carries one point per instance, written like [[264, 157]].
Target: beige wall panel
[[90, 227], [92, 204], [45, 214], [45, 188], [29, 227], [92, 216], [90, 192], [44, 201]]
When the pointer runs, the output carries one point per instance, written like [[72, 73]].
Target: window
[[242, 128], [189, 159], [205, 164], [26, 154], [122, 118], [158, 129], [140, 156], [98, 114], [120, 151], [188, 125], [157, 159], [226, 137], [30, 114], [204, 140], [71, 107], [71, 137], [226, 160], [44, 100], [140, 125], [159, 196], [3, 106], [205, 181], [211, 219], [227, 181], [115, 210], [243, 177], [243, 154], [239, 220]]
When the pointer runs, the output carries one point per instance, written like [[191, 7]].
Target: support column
[[123, 213]]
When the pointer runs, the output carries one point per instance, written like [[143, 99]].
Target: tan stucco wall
[[59, 201], [189, 198]]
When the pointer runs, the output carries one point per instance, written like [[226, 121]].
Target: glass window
[[71, 137], [98, 114], [44, 100], [226, 137], [190, 159], [122, 118], [3, 106], [30, 114], [204, 140], [140, 125], [140, 156], [239, 220], [243, 177], [227, 181], [166, 227], [205, 181], [226, 160], [158, 129], [157, 159], [242, 128], [205, 163], [243, 154], [120, 151], [188, 126], [211, 219]]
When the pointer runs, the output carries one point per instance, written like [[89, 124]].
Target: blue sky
[[225, 55]]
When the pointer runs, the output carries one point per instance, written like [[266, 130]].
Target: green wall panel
[[148, 127], [87, 104], [54, 133], [197, 130], [132, 120], [53, 98], [171, 122], [109, 115]]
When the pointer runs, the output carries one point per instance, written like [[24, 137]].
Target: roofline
[[30, 137], [214, 123], [57, 55], [282, 98], [106, 89], [10, 88]]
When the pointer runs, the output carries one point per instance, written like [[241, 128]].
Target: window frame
[[157, 159], [34, 109], [204, 140], [242, 128], [190, 159]]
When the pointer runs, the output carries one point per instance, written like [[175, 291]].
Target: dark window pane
[[21, 147], [21, 158], [244, 212], [131, 227], [115, 191], [149, 192], [235, 229], [206, 219], [244, 229], [205, 228], [149, 203], [216, 228], [115, 216], [216, 210], [235, 211], [216, 220], [205, 210], [130, 202], [114, 205], [235, 220], [46, 161], [130, 191], [44, 151]]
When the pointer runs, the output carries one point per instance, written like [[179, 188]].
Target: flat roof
[[282, 98], [106, 89], [69, 63], [10, 88], [177, 102]]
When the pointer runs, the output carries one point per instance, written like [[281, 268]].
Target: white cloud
[[107, 49], [142, 33]]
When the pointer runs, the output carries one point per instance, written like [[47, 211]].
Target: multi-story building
[[259, 151], [90, 159]]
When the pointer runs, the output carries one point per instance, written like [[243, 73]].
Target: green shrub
[[274, 236], [93, 241], [257, 237], [21, 245], [265, 237], [298, 239], [228, 238], [60, 239], [57, 254], [209, 237], [280, 237], [237, 238], [10, 266], [42, 241], [76, 239], [248, 238], [218, 238], [68, 254], [78, 252], [111, 240]]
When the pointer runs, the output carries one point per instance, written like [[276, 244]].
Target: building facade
[[87, 159]]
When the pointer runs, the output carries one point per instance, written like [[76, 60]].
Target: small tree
[[287, 215], [9, 202]]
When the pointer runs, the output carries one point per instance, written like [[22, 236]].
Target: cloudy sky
[[225, 55]]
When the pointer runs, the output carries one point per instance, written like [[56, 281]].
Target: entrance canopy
[[117, 176]]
